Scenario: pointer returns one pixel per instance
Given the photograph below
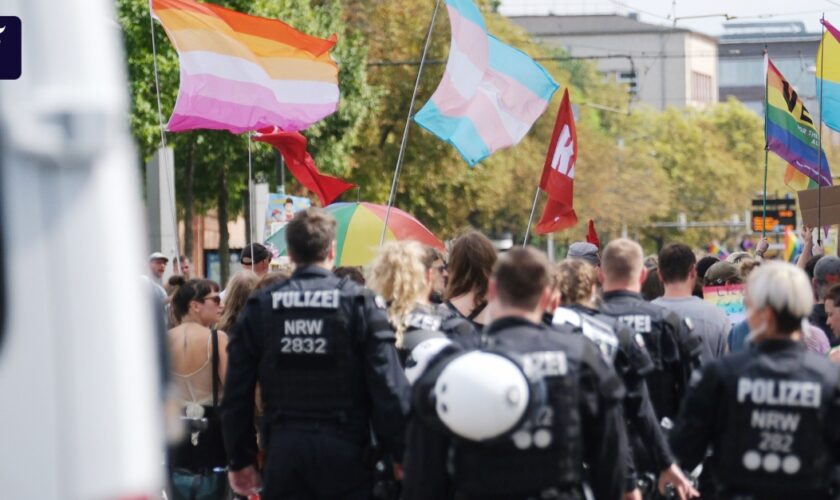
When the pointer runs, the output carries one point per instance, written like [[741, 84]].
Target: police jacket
[[650, 449], [770, 414], [674, 350], [585, 416], [440, 318], [323, 352]]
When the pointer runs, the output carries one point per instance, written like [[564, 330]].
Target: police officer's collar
[[311, 270], [622, 293], [775, 345], [582, 309], [547, 318], [509, 322]]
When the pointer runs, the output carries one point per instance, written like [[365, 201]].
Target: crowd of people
[[474, 374]]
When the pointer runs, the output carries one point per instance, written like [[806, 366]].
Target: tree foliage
[[632, 169]]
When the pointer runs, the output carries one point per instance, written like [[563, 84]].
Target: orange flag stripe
[[269, 29], [284, 65]]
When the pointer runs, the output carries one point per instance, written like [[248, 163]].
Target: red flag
[[559, 172], [556, 216], [292, 145], [592, 235]]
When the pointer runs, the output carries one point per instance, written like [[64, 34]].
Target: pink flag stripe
[[462, 74], [470, 38], [239, 70], [521, 111], [289, 117], [244, 93], [489, 125]]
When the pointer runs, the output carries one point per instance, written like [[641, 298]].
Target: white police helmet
[[421, 352], [481, 395]]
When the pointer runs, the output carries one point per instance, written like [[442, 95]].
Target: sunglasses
[[215, 298]]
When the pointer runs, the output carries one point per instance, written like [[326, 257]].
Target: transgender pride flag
[[241, 72], [490, 95]]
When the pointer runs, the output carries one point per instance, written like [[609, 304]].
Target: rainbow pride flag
[[796, 180], [490, 94], [716, 250], [790, 129], [828, 76], [792, 245], [241, 72]]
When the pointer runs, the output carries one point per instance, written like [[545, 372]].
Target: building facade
[[792, 49], [663, 65]]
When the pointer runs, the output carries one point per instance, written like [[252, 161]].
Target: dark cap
[[827, 270], [584, 251], [704, 264], [260, 254], [721, 273]]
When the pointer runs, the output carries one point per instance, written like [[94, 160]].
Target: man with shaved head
[[668, 340]]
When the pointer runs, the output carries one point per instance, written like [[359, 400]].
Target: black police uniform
[[770, 414], [439, 318], [584, 419], [633, 364], [324, 354], [675, 353]]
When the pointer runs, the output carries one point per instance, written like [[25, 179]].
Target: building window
[[701, 87]]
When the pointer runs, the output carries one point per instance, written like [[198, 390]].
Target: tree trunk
[[224, 249], [189, 197]]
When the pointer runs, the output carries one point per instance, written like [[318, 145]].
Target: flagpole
[[819, 135], [251, 202], [766, 143], [170, 191], [401, 154], [531, 217]]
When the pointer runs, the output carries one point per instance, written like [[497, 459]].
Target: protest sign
[[729, 298]]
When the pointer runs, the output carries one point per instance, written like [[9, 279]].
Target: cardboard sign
[[729, 298], [281, 209], [811, 199]]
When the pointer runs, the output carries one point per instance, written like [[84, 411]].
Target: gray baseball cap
[[828, 270], [585, 251]]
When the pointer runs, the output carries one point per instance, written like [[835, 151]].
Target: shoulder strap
[[343, 282], [475, 312], [214, 334]]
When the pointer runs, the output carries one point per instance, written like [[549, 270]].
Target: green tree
[[211, 166]]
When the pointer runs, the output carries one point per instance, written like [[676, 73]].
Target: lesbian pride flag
[[490, 94], [241, 73]]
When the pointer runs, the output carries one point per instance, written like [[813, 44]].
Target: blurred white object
[[481, 396], [79, 376]]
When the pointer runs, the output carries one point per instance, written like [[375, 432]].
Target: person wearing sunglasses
[[198, 356]]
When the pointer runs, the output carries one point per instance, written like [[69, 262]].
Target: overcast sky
[[660, 11]]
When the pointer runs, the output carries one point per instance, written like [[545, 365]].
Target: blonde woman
[[402, 274], [238, 289]]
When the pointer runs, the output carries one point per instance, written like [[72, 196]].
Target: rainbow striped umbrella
[[360, 228]]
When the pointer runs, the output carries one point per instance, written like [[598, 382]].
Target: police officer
[[674, 350], [439, 318], [575, 286], [323, 352], [770, 413], [579, 420]]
